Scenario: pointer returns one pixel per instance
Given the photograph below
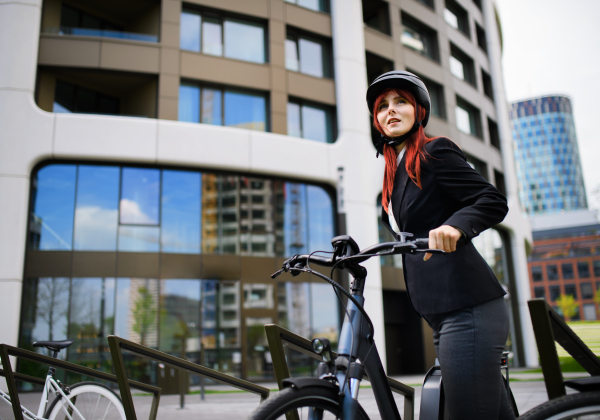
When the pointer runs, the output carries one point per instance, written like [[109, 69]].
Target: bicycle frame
[[50, 386]]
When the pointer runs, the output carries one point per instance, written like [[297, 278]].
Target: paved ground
[[528, 389]]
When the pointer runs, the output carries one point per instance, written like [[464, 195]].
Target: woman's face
[[395, 115]]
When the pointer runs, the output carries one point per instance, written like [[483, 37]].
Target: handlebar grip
[[422, 242]]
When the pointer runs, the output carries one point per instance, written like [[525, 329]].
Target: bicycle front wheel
[[583, 406], [94, 401], [310, 403]]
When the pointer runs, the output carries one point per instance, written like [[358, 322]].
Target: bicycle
[[81, 401], [334, 391]]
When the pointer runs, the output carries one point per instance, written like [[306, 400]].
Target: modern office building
[[566, 260], [160, 159], [547, 155]]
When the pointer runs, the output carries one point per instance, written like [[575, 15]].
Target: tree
[[567, 305], [52, 302], [597, 301], [144, 314]]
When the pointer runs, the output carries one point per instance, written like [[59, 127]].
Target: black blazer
[[453, 194]]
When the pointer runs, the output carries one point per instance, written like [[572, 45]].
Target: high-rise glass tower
[[547, 156]]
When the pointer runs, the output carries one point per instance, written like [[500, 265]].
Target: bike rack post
[[118, 344], [11, 377], [549, 327], [279, 337]]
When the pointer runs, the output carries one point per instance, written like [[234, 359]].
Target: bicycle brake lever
[[277, 273], [431, 251]]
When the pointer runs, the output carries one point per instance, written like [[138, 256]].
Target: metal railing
[[118, 344], [548, 327], [279, 338], [11, 377]]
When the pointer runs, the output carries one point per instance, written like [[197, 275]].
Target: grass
[[589, 332]]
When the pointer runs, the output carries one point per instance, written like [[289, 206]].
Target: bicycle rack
[[6, 351], [118, 344], [548, 327], [279, 337]]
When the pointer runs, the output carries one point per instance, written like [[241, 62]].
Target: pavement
[[528, 389]]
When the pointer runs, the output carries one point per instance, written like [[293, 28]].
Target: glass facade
[[308, 55], [547, 156], [222, 36], [155, 211], [310, 121], [218, 106]]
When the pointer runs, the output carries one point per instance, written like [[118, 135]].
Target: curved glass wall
[[96, 230], [133, 209]]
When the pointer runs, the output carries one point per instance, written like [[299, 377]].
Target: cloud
[[131, 213], [95, 229]]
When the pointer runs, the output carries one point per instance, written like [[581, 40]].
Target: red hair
[[415, 147]]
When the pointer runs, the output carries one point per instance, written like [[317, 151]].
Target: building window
[[307, 54], [219, 35], [141, 209], [70, 98], [462, 66], [567, 271], [500, 183], [316, 5], [587, 292], [554, 292], [552, 272], [539, 292], [436, 94], [488, 88], [481, 38], [536, 273], [218, 106], [597, 268], [457, 17], [583, 269], [428, 3], [77, 22], [479, 165], [468, 118], [571, 290], [419, 37], [494, 135], [310, 121], [376, 15]]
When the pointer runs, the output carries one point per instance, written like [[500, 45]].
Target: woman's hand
[[445, 237]]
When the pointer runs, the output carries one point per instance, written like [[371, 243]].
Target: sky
[[553, 47]]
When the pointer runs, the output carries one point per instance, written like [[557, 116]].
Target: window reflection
[[96, 212], [212, 106], [245, 110], [180, 312], [310, 121], [189, 32], [258, 296], [180, 213], [139, 196], [244, 41], [139, 239], [189, 103], [307, 55], [211, 36], [53, 203]]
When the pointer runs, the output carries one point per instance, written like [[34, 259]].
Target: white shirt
[[392, 220]]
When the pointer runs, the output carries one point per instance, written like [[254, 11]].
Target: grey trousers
[[469, 344]]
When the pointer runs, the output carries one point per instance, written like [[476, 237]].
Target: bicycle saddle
[[53, 345]]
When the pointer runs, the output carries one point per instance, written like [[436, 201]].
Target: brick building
[[566, 260]]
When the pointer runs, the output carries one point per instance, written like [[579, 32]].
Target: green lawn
[[589, 332]]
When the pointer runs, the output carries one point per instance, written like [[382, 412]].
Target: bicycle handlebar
[[392, 248]]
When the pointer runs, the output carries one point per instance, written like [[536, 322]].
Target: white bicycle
[[81, 401]]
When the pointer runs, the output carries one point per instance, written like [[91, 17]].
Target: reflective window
[[53, 204], [245, 41], [310, 121], [180, 216], [97, 208], [317, 5], [180, 317], [234, 108], [462, 66], [214, 34], [183, 212], [258, 296], [457, 17], [419, 37], [583, 269], [307, 55], [468, 118]]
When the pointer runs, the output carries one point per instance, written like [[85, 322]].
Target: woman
[[430, 190]]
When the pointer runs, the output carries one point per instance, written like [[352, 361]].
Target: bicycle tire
[[303, 400], [93, 400], [585, 405]]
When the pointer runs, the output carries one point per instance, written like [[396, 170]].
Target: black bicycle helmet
[[405, 80]]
